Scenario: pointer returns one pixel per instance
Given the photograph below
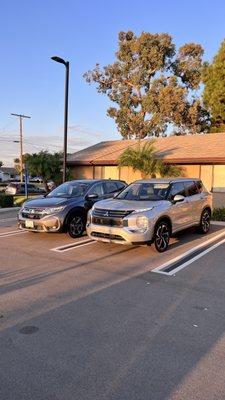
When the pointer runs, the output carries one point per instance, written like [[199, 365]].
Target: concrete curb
[[222, 223], [2, 210]]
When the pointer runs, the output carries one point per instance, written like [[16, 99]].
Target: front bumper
[[50, 223], [120, 235]]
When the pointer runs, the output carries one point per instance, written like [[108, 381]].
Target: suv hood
[[43, 202], [128, 205]]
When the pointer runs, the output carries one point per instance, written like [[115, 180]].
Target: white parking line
[[8, 219], [161, 268], [74, 245], [214, 246], [11, 233]]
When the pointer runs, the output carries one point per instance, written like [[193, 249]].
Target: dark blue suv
[[65, 208]]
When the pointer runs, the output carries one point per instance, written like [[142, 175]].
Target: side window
[[120, 185], [200, 186], [111, 187], [97, 189], [177, 188], [191, 188]]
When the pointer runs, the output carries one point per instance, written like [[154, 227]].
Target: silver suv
[[150, 211]]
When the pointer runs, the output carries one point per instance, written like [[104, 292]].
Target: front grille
[[108, 221], [32, 213], [100, 212], [107, 236]]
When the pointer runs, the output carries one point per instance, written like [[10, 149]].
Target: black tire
[[76, 225], [204, 225], [162, 236]]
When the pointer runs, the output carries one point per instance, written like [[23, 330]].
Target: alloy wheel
[[162, 237], [205, 221], [76, 226]]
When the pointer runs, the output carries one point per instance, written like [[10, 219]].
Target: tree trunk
[[46, 185]]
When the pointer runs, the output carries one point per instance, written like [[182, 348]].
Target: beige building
[[200, 156]]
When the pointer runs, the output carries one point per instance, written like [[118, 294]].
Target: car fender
[[162, 218]]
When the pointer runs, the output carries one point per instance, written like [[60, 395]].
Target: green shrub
[[6, 200], [218, 214]]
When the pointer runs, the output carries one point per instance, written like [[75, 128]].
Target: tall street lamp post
[[67, 65]]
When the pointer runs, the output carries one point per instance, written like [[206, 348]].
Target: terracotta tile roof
[[189, 149]]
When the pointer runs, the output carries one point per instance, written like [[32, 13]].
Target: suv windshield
[[145, 191], [70, 189]]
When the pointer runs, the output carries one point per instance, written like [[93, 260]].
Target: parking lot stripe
[[178, 263], [9, 234], [8, 219], [72, 246], [5, 233], [203, 253]]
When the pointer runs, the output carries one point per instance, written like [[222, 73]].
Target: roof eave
[[183, 161]]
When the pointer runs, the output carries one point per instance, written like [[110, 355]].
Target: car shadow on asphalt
[[126, 341], [181, 239]]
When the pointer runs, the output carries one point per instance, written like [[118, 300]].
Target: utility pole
[[21, 116]]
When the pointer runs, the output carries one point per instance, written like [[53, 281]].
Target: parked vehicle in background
[[19, 188], [151, 211], [66, 207], [37, 179]]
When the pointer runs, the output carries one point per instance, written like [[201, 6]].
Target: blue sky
[[83, 32]]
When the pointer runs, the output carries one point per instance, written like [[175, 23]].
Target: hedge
[[6, 200], [218, 214]]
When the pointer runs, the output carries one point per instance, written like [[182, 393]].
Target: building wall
[[213, 176], [82, 172]]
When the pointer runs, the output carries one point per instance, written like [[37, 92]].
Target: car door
[[195, 199], [180, 212]]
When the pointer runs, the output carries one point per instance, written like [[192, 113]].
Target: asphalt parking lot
[[85, 320]]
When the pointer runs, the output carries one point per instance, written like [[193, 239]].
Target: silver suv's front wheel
[[162, 236]]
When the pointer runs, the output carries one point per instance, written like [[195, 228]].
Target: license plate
[[29, 224]]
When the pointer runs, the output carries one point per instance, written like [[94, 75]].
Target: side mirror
[[178, 198], [92, 196]]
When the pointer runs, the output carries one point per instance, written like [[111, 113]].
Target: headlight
[[52, 210], [142, 223]]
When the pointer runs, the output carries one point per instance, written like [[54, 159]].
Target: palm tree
[[143, 159], [169, 170]]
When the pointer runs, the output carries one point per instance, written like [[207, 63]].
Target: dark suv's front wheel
[[76, 226], [162, 236]]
